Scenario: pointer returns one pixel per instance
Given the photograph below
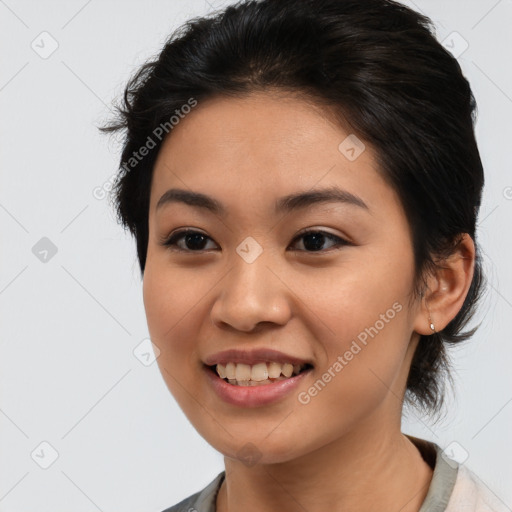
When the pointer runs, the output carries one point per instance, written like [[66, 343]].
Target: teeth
[[230, 370], [287, 370], [221, 370], [243, 372], [274, 370], [261, 373]]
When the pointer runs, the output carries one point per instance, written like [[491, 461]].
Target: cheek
[[364, 322], [172, 300], [351, 298], [361, 365], [169, 296]]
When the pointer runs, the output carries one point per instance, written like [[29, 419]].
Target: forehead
[[261, 147]]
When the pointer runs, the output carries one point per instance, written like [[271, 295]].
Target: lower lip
[[254, 396]]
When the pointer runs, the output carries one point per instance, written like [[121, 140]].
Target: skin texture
[[343, 450]]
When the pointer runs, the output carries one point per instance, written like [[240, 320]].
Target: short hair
[[379, 69]]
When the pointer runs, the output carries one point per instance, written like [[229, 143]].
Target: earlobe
[[447, 289]]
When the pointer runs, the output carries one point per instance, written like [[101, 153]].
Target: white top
[[454, 488], [470, 494]]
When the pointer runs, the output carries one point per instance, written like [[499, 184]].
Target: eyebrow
[[289, 203]]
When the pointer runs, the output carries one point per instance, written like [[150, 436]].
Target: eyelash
[[170, 242]]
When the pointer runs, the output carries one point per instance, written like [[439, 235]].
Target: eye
[[194, 241], [315, 239]]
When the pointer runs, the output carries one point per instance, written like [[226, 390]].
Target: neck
[[373, 468]]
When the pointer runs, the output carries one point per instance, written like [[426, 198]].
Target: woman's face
[[248, 279]]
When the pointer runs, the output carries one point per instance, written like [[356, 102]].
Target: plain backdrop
[[86, 423]]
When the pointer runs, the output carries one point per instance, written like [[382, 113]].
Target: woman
[[303, 183]]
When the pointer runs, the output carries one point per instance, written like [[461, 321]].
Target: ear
[[447, 289]]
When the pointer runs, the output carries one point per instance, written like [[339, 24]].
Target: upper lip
[[254, 356]]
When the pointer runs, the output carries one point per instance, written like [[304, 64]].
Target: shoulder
[[454, 486], [201, 501], [470, 494], [187, 505]]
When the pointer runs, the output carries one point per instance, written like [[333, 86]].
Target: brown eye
[[313, 240], [194, 241]]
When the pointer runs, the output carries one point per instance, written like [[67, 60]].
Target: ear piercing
[[431, 323], [432, 327]]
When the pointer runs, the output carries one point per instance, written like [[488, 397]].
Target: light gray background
[[70, 325]]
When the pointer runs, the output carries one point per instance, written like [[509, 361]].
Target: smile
[[253, 393], [240, 374]]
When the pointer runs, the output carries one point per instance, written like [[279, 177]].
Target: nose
[[251, 294]]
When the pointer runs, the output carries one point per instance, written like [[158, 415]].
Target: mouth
[[260, 374]]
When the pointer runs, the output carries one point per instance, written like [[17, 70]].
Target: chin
[[257, 449]]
